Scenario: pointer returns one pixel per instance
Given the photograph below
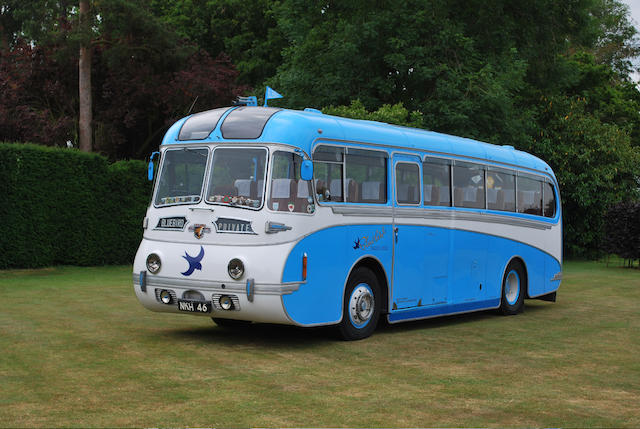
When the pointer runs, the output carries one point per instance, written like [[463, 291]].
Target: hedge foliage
[[62, 206], [623, 230]]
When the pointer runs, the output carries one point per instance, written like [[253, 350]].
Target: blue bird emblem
[[194, 262]]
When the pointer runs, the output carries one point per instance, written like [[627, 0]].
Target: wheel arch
[[375, 266], [525, 281]]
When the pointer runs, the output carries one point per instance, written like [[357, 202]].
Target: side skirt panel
[[444, 310]]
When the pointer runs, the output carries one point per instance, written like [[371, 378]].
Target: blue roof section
[[304, 128]]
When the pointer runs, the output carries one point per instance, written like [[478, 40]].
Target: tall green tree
[[245, 31]]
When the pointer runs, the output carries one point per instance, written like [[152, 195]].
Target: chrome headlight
[[153, 263], [235, 268]]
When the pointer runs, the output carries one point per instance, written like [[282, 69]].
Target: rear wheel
[[361, 305], [513, 289], [230, 323]]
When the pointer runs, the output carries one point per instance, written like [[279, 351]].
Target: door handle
[[395, 233]]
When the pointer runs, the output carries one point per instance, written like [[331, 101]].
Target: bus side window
[[327, 172], [436, 178], [366, 176], [549, 203], [288, 191], [468, 185], [501, 191], [407, 183], [529, 196]]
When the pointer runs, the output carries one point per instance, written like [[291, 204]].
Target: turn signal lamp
[[304, 266]]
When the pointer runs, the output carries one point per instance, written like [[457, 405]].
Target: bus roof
[[305, 129]]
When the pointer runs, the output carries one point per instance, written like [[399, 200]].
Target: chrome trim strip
[[385, 211], [215, 285], [417, 213]]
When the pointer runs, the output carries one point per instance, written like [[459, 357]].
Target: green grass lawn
[[76, 349]]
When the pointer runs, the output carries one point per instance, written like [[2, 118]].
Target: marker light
[[165, 297], [225, 302], [153, 263], [304, 266], [235, 268]]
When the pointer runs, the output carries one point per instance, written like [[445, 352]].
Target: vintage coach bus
[[262, 214]]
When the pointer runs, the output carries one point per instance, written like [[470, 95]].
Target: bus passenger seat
[[500, 200], [371, 192], [260, 189], [320, 188], [302, 195], [407, 194], [445, 196], [335, 188], [352, 189], [282, 191], [509, 200], [428, 194], [244, 187], [470, 194], [492, 199]]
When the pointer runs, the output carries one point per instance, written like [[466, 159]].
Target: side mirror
[[150, 169], [306, 170]]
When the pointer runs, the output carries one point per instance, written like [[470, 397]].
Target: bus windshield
[[237, 177], [181, 177]]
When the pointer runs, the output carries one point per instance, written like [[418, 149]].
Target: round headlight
[[165, 297], [153, 263], [235, 268], [225, 302]]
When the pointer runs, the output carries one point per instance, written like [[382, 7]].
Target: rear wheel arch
[[525, 279]]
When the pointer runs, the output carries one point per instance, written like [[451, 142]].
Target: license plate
[[194, 306]]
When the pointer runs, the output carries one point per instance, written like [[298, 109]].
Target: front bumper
[[257, 302]]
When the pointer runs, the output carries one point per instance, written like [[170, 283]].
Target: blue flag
[[270, 94]]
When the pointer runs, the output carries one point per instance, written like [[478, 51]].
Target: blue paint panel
[[441, 310], [409, 271], [551, 268], [472, 258], [330, 256], [468, 266]]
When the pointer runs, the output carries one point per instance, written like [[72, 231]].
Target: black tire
[[230, 323], [514, 288], [360, 305]]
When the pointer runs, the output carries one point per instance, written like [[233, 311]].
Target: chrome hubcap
[[512, 287], [361, 305]]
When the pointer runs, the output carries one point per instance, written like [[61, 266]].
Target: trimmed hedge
[[622, 230], [63, 206]]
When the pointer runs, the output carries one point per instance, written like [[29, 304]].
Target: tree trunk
[[84, 81]]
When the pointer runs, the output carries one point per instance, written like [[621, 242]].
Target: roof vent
[[506, 146], [311, 110]]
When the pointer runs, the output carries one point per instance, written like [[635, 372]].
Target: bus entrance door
[[408, 258]]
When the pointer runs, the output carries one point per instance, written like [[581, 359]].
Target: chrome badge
[[234, 226], [199, 229]]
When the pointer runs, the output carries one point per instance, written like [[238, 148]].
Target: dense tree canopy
[[548, 77]]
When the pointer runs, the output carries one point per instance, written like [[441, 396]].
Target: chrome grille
[[215, 300], [174, 297]]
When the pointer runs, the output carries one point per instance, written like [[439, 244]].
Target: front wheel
[[513, 289], [361, 305]]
